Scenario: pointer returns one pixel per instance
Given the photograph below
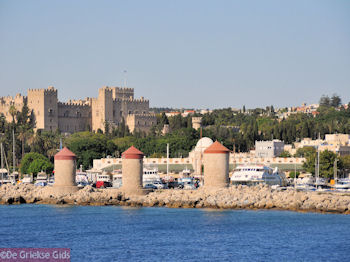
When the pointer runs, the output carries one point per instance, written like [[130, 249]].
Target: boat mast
[[295, 175], [167, 162], [2, 157], [2, 164], [335, 171], [318, 162], [13, 151]]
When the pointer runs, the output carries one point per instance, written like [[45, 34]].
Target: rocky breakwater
[[235, 197]]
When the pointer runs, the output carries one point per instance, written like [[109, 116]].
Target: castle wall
[[135, 106], [111, 105], [6, 102], [140, 122], [74, 117], [102, 108]]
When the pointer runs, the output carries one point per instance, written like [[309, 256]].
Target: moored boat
[[257, 174]]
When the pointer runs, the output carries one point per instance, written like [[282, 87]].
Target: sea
[[113, 233]]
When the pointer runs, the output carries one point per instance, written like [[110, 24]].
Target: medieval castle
[[112, 105]]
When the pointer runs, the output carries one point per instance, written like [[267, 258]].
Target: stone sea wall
[[235, 197]]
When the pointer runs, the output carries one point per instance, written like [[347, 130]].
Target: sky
[[183, 54]]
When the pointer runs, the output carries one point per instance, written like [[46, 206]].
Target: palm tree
[[13, 112]]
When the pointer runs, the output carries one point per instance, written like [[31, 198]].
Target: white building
[[269, 148]]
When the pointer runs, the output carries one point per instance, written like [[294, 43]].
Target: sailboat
[[14, 175], [4, 174]]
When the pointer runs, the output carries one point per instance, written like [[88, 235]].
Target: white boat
[[257, 174], [27, 179], [306, 183], [150, 174], [104, 177], [81, 179], [342, 185], [306, 187], [187, 183], [117, 180], [51, 181], [186, 172], [41, 179]]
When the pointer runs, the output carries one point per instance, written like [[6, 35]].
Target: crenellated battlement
[[148, 115], [81, 104], [132, 100], [46, 91], [124, 89]]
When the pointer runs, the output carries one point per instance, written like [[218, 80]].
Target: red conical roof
[[216, 148], [132, 153], [65, 154]]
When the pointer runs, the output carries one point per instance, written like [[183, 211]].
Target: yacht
[[5, 178], [257, 174], [150, 174], [41, 179], [27, 179], [186, 181], [306, 183], [81, 179], [342, 185]]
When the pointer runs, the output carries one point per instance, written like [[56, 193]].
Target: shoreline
[[260, 197]]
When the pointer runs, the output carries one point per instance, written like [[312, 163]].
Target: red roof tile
[[216, 148], [132, 153], [65, 154]]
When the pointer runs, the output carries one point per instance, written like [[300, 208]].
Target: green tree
[[327, 159], [325, 101], [40, 165], [335, 100], [285, 154], [304, 151], [39, 159], [88, 146]]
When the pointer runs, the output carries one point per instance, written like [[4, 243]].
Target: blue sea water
[[110, 233]]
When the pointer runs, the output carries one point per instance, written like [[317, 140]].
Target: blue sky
[[201, 54]]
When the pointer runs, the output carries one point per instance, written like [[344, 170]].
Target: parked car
[[40, 184], [103, 184], [159, 185], [150, 186], [173, 184]]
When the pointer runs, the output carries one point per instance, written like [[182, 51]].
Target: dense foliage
[[237, 130], [33, 163]]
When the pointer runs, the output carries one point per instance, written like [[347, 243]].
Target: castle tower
[[44, 102], [196, 122], [65, 168], [132, 169], [216, 166], [123, 93], [102, 109]]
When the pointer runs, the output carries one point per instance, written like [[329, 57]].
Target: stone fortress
[[112, 105]]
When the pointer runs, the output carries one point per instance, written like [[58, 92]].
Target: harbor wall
[[234, 197]]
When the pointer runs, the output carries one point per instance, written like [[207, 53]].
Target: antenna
[[125, 77]]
